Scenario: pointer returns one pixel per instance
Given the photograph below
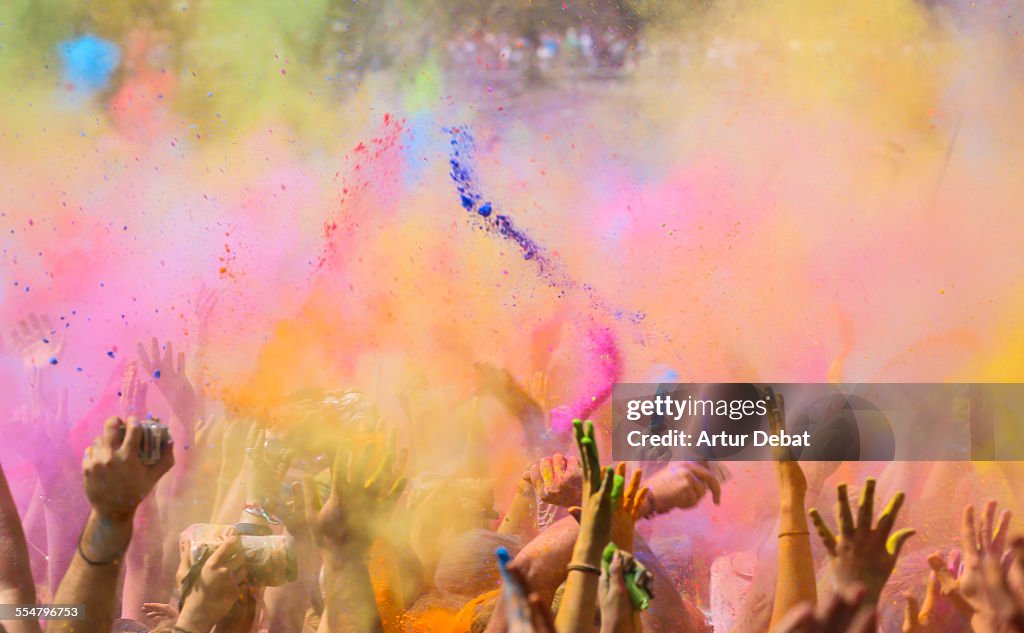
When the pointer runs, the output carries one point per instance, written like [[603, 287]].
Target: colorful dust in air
[[787, 191]]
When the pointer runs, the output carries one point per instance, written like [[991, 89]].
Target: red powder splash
[[368, 191]]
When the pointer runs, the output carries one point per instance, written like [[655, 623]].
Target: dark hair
[[126, 625]]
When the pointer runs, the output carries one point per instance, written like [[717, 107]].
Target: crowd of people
[[305, 517], [581, 51]]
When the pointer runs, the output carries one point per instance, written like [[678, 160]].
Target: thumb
[[898, 539]]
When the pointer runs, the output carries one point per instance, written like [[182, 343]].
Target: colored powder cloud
[[88, 62]]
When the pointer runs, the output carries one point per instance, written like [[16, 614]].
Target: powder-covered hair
[[469, 566]]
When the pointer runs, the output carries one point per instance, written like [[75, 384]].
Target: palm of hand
[[37, 341], [970, 592], [358, 497], [864, 559], [862, 554], [332, 523]]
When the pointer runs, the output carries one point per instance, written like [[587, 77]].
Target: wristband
[[96, 563], [794, 533], [257, 509], [587, 569]]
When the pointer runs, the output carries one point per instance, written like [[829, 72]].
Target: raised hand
[[928, 615], [862, 554], [795, 583], [366, 483], [220, 584], [169, 377], [617, 611], [680, 485], [628, 502], [37, 341], [847, 611], [598, 486], [41, 422], [967, 590], [792, 482], [576, 614], [557, 480], [116, 480], [158, 613]]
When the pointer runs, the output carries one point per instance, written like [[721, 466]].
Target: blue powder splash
[[471, 199], [88, 62], [463, 175]]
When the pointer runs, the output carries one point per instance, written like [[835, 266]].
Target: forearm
[[795, 582], [286, 605], [94, 585], [519, 520], [16, 585], [60, 541], [59, 486], [144, 579], [231, 503], [349, 605], [579, 602], [15, 572]]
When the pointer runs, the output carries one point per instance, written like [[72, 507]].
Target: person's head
[[468, 566], [125, 625], [444, 508], [476, 614]]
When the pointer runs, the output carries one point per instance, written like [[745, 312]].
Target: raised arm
[[578, 607], [343, 528], [794, 583], [861, 554], [116, 481], [16, 585]]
